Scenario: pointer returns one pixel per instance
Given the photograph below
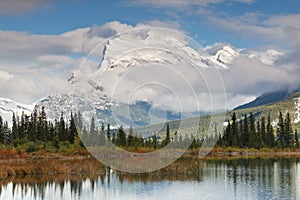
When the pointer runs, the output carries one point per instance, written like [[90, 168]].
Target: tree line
[[241, 133], [35, 127], [250, 133]]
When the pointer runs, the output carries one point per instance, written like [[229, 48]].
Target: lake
[[232, 178]]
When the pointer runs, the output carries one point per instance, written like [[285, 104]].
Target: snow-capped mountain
[[225, 54], [152, 46], [8, 107]]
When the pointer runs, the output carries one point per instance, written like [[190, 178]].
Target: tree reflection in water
[[278, 176]]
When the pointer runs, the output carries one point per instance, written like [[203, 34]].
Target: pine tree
[[1, 131], [14, 132], [263, 131], [270, 141], [108, 132], [288, 131], [167, 139], [227, 134], [280, 131], [296, 139], [259, 140], [234, 131], [121, 141], [72, 130], [154, 143], [62, 128], [6, 132], [246, 137], [252, 132]]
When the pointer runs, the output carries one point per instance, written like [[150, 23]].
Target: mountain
[[8, 107], [128, 50], [290, 102], [266, 99]]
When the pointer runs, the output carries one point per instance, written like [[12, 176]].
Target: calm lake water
[[256, 178]]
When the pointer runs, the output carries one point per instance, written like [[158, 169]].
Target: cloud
[[280, 29], [171, 3], [4, 76], [186, 7], [245, 1], [19, 7], [33, 66]]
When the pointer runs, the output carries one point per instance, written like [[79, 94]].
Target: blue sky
[[42, 42], [56, 17]]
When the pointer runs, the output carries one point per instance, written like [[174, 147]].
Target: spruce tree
[[241, 133], [227, 134], [270, 141], [121, 137], [234, 132], [168, 134], [263, 131], [259, 140], [1, 131], [252, 132], [280, 132], [14, 132], [72, 130], [288, 131], [246, 136], [62, 128], [296, 139]]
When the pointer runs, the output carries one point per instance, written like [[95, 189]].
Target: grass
[[58, 165]]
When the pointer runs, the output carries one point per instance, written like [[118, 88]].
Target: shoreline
[[88, 165]]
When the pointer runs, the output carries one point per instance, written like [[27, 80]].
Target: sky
[[43, 41]]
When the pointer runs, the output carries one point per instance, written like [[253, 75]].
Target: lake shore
[[20, 165]]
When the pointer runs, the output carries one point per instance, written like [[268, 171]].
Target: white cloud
[[34, 66], [172, 3], [245, 1], [280, 29], [183, 6], [4, 76], [18, 7]]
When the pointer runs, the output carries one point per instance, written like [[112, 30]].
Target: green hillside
[[286, 105]]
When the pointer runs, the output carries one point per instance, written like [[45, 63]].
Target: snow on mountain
[[225, 56], [8, 107], [152, 46], [147, 46], [66, 103], [297, 108]]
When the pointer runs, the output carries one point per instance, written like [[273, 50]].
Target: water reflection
[[188, 178]]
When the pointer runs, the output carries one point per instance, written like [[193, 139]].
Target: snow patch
[[8, 107], [297, 107]]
